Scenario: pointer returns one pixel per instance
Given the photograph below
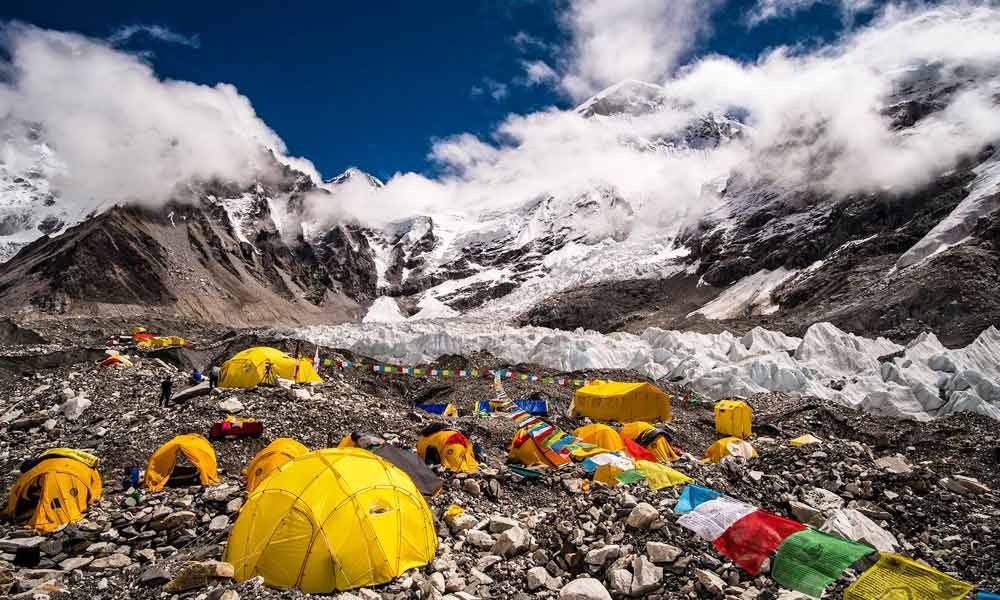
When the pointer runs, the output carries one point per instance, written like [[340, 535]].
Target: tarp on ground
[[750, 540], [711, 519], [810, 560], [895, 576], [539, 408], [660, 476], [440, 408], [693, 496], [622, 402], [423, 477]]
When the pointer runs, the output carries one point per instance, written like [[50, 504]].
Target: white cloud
[[614, 40], [525, 42], [159, 32], [817, 119], [125, 135], [537, 72], [778, 9], [491, 87]]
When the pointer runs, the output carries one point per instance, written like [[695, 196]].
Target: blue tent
[[538, 408], [446, 410]]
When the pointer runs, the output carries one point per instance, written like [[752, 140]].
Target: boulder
[[114, 561], [585, 588], [967, 486], [479, 538], [73, 408], [645, 576], [537, 577], [512, 542], [219, 523], [712, 583], [894, 464], [821, 499], [642, 516], [621, 581], [231, 406], [154, 575], [499, 524], [850, 524], [175, 520]]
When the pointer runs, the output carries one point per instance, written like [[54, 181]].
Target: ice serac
[[983, 199], [921, 381]]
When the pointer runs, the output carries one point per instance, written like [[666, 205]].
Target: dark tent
[[423, 477]]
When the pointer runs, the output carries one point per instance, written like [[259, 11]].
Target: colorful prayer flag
[[895, 576], [750, 540], [810, 560], [693, 496], [711, 519]]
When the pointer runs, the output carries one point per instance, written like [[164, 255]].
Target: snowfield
[[919, 381]]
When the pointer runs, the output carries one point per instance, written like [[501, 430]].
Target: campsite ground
[[134, 541]]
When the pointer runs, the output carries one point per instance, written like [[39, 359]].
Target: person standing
[[166, 389], [213, 377]]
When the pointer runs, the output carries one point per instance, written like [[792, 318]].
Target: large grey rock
[[821, 499], [154, 575], [14, 544], [712, 583], [537, 577], [642, 516], [479, 538], [74, 407], [75, 562], [231, 406], [658, 552], [219, 523], [175, 520], [585, 588], [894, 464], [805, 513], [621, 581], [601, 556], [646, 577], [195, 574], [512, 542], [114, 561], [500, 524], [967, 486]]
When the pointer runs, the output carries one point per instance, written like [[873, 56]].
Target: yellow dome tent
[[601, 436], [447, 447], [622, 402], [729, 446], [650, 438], [197, 450], [270, 458], [332, 520], [262, 365], [525, 449], [57, 489]]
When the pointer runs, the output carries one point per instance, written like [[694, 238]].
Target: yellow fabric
[[659, 476], [332, 520], [347, 442], [601, 436], [453, 511], [86, 458], [898, 578], [457, 458], [804, 440], [450, 411], [197, 450], [248, 368], [729, 446], [733, 417], [660, 448], [606, 475], [622, 402], [528, 453], [270, 458], [65, 488]]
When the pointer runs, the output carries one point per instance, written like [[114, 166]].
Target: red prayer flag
[[753, 538], [636, 451]]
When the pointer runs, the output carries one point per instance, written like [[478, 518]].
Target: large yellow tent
[[55, 491], [193, 446], [449, 448], [601, 436], [622, 402], [255, 366], [330, 520], [652, 439], [270, 458]]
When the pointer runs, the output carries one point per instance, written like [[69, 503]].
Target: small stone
[[219, 523], [75, 562], [154, 576], [894, 464], [175, 520], [195, 574], [512, 542], [537, 577], [485, 563], [218, 493], [601, 556], [74, 407], [114, 561], [471, 487], [621, 581], [479, 538], [642, 516], [234, 505]]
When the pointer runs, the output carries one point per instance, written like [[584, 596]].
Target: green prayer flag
[[810, 560], [630, 476]]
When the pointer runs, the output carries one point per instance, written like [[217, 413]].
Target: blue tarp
[[693, 496], [538, 408], [437, 409], [987, 596]]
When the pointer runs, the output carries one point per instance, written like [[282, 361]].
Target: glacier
[[921, 380]]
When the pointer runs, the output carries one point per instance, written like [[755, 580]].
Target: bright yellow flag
[[660, 476], [898, 578]]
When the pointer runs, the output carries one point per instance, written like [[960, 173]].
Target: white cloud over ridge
[[159, 32], [815, 118], [123, 134]]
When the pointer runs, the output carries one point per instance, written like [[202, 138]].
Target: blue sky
[[373, 84]]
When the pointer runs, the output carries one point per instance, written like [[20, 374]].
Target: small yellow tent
[[54, 492], [449, 448], [197, 450], [622, 402], [729, 446], [525, 449], [733, 417], [332, 520], [650, 438], [601, 436], [255, 366], [270, 458]]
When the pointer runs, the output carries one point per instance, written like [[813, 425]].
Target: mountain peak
[[355, 174]]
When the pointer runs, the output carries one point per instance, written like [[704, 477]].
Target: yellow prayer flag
[[660, 476], [896, 577]]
